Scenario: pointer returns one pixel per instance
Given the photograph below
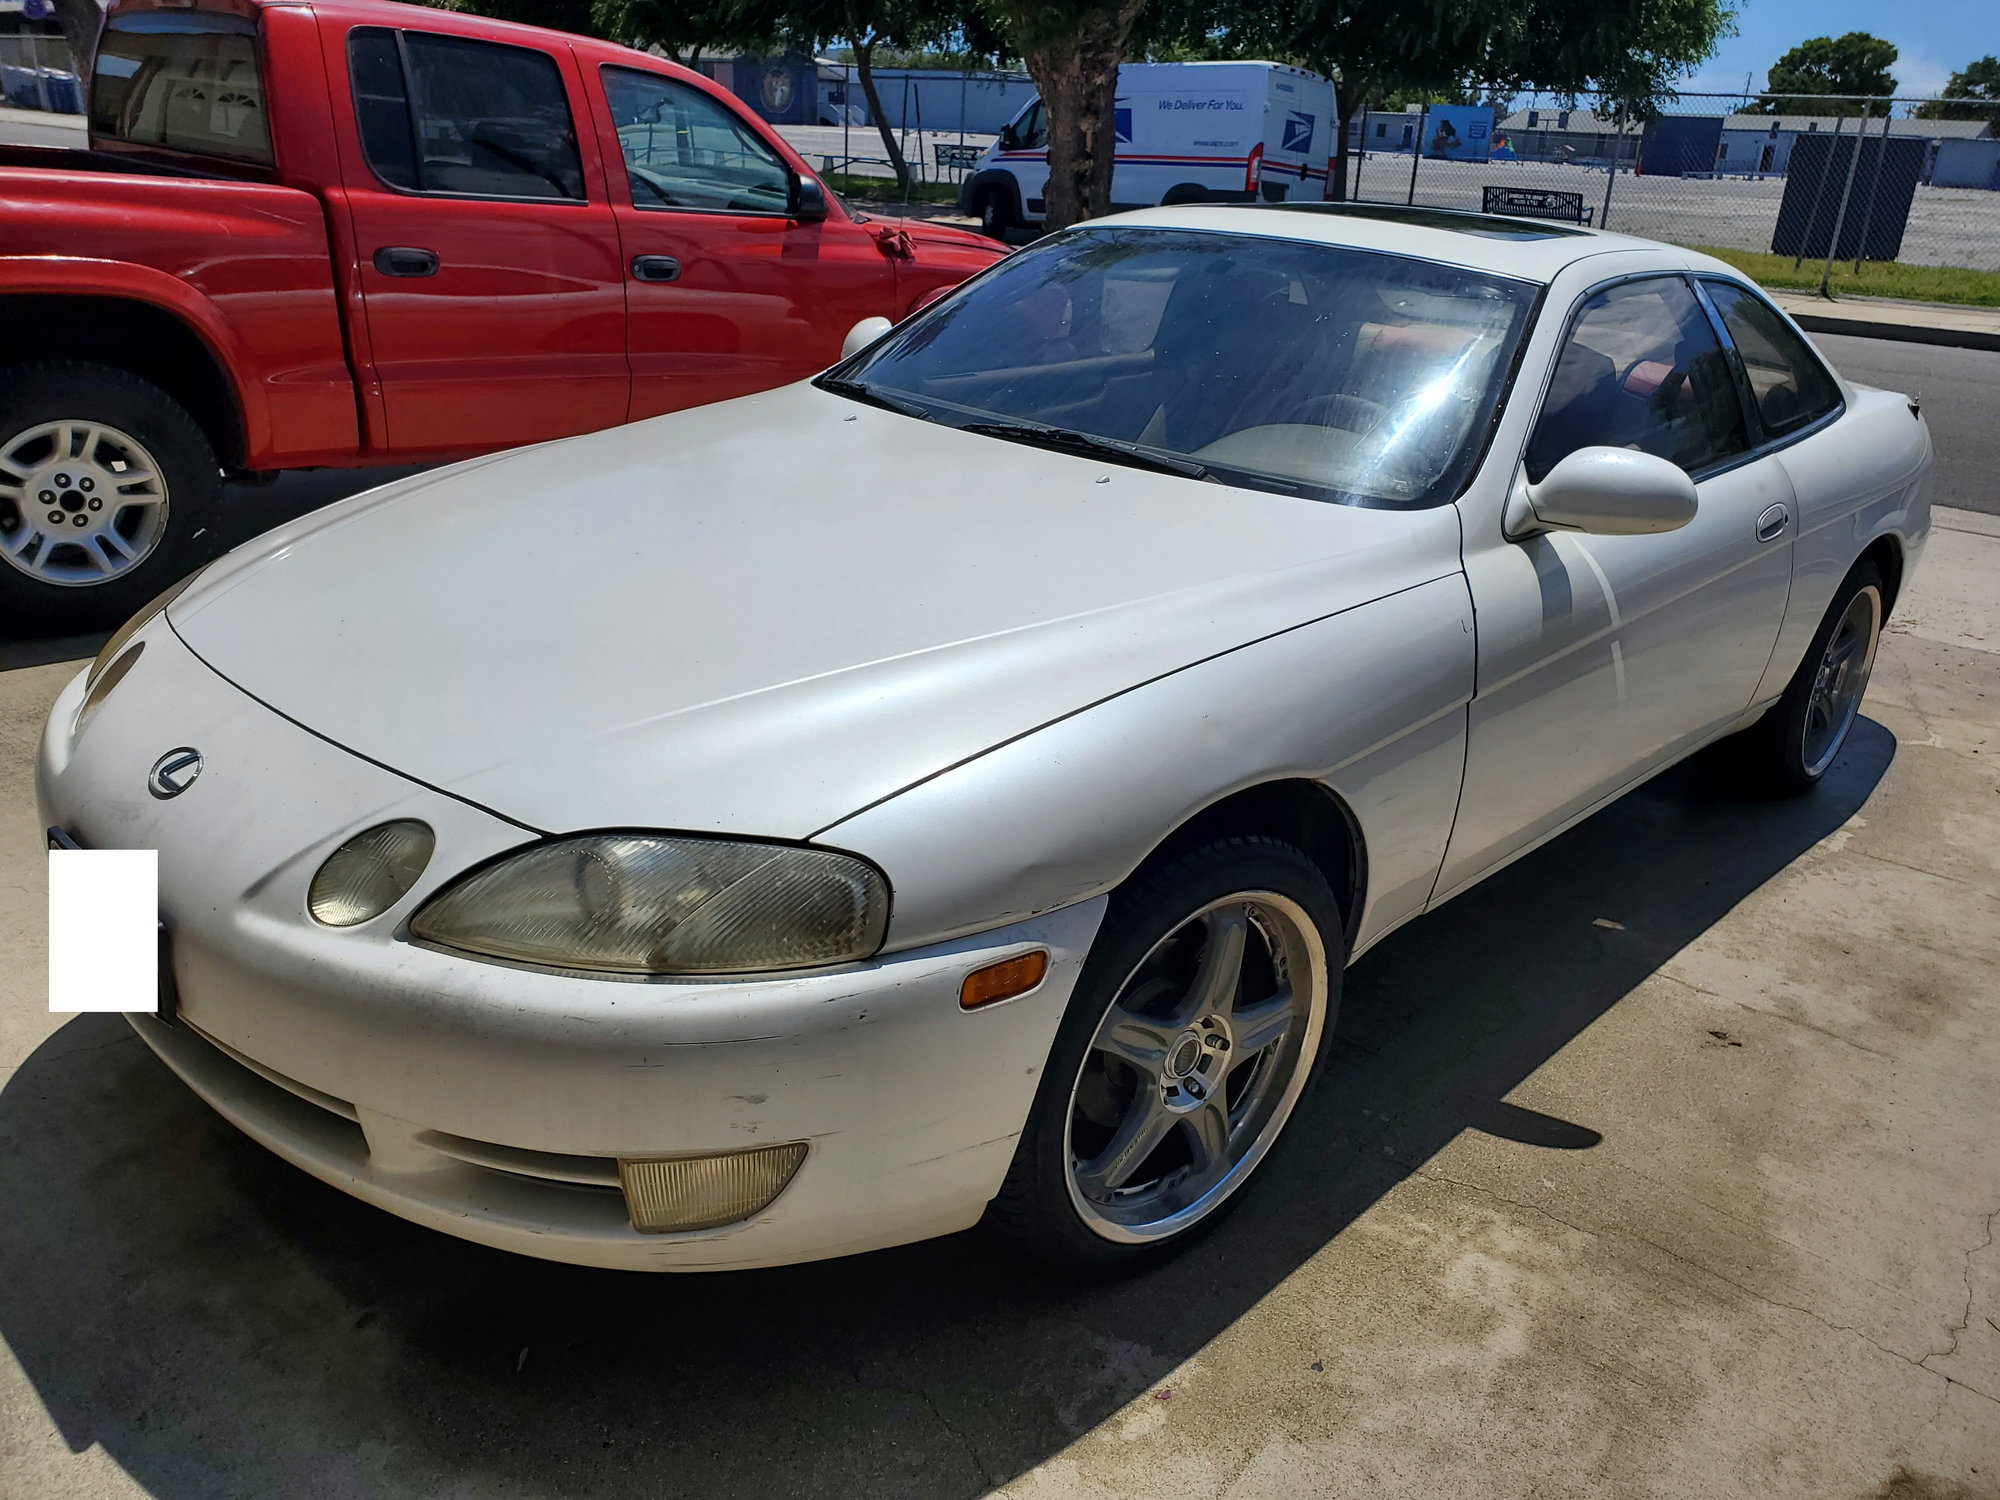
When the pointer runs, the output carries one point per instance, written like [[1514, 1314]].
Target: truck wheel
[[105, 483], [996, 215], [1183, 193]]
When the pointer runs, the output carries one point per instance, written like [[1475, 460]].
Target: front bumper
[[493, 1102]]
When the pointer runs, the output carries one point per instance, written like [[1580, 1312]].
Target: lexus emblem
[[174, 772]]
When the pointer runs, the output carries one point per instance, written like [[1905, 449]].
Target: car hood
[[761, 616], [928, 232]]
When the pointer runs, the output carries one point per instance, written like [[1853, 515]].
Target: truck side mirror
[[1010, 138], [808, 200]]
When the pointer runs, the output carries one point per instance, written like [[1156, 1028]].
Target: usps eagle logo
[[1121, 122], [1298, 132]]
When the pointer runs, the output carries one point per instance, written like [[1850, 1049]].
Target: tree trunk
[[80, 20], [864, 67], [1078, 77]]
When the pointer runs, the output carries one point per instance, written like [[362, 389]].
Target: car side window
[[1792, 388], [684, 150], [447, 114], [1642, 368]]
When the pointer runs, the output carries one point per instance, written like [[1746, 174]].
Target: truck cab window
[[181, 80], [445, 114], [684, 150]]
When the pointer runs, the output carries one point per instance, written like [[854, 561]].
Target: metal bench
[[1535, 203], [957, 158]]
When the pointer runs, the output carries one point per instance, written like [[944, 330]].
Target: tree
[[682, 29], [1972, 94], [1854, 64], [1072, 49], [1630, 50]]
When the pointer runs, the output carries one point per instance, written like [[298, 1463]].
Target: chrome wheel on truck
[[106, 483], [1200, 1018]]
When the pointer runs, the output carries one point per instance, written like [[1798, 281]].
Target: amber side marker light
[[1004, 980]]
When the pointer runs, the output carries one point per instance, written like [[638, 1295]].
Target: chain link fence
[[36, 73], [1710, 170], [942, 120]]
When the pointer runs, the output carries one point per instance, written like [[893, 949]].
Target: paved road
[[1960, 389], [34, 127]]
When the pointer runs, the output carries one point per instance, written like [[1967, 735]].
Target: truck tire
[[106, 482], [1184, 193], [996, 213]]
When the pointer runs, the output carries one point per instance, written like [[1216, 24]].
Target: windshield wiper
[[1068, 440], [861, 390]]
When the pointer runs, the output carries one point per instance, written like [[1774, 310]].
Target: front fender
[[1370, 702]]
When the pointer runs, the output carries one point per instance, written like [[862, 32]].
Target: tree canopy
[[1972, 94], [1856, 63]]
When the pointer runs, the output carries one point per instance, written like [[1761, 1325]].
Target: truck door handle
[[655, 268], [406, 260], [1771, 525]]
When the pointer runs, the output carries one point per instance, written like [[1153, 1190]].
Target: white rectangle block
[[104, 919]]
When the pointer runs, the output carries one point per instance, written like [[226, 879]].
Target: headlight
[[632, 903], [132, 627]]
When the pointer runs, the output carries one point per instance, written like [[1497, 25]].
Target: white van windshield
[[1343, 374]]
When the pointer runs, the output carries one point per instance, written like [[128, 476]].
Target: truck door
[[489, 260], [728, 291]]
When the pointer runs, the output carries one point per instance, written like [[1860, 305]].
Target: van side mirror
[[808, 200], [861, 335], [1608, 492], [1010, 138]]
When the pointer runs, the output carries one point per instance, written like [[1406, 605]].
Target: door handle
[[406, 260], [1772, 523], [655, 268]]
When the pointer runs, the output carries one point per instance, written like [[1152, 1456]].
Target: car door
[[727, 290], [1601, 658], [489, 266]]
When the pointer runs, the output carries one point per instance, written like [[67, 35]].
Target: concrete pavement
[[1661, 1165], [1885, 318]]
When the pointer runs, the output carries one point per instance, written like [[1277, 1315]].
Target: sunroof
[[1486, 226]]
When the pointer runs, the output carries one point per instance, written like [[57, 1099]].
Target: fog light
[[671, 1195], [370, 873], [1004, 980]]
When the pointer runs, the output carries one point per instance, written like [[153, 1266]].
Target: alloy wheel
[[1195, 1067], [81, 503], [1840, 680]]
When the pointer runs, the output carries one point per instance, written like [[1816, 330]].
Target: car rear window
[[181, 80]]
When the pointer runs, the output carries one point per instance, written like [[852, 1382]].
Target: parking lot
[[1659, 1165]]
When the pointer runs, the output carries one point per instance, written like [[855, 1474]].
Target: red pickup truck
[[328, 233]]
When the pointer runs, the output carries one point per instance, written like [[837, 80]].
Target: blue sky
[[1934, 37]]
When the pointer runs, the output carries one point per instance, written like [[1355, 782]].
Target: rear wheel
[[996, 214], [1201, 1015], [1792, 747], [105, 481]]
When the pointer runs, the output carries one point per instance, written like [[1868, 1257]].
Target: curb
[[1909, 333]]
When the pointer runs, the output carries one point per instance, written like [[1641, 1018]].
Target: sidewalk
[[1881, 318]]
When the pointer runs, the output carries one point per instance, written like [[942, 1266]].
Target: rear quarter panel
[[1861, 477], [245, 264]]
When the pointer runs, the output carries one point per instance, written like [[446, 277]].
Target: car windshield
[[1270, 363]]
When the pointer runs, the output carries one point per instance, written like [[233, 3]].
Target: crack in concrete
[[1697, 1266], [971, 1454], [1965, 1318]]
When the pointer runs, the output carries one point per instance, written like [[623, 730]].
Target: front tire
[[1789, 751], [1202, 1013], [105, 482]]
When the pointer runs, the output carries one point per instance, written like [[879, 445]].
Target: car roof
[[1529, 249]]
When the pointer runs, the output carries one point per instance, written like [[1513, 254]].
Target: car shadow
[[222, 1325]]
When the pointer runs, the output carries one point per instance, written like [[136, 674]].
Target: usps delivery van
[[1197, 132]]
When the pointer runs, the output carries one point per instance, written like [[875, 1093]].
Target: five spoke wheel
[[1840, 679], [80, 503], [1195, 1065]]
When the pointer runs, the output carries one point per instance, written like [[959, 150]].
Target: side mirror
[[861, 335], [808, 200], [1611, 492], [1010, 138]]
